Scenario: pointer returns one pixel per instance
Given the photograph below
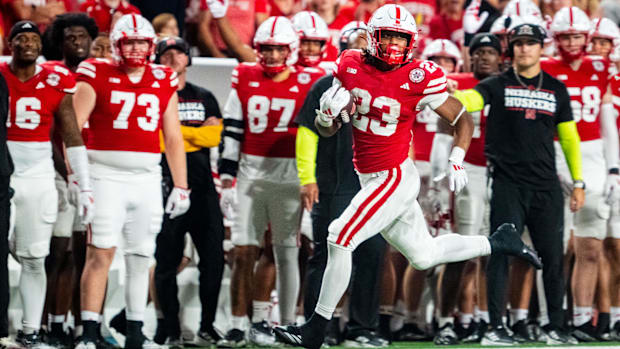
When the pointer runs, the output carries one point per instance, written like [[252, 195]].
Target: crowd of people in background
[[263, 193]]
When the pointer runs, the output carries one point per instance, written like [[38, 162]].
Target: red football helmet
[[397, 19], [276, 31]]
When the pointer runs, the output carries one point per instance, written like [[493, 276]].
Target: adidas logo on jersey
[[405, 86], [155, 84], [253, 84], [594, 77], [40, 85], [114, 80], [294, 89], [351, 70]]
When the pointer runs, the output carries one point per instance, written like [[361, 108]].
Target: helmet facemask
[[135, 58], [271, 66], [393, 54]]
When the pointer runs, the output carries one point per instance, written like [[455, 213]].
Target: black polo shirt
[[335, 173], [6, 165], [521, 126]]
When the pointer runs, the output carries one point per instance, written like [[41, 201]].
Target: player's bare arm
[[175, 153], [67, 123], [454, 113], [84, 100]]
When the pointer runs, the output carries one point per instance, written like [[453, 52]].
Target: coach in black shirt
[[201, 127], [6, 169], [528, 107]]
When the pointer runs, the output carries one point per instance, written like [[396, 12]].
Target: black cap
[[167, 43], [528, 31], [23, 27], [482, 40]]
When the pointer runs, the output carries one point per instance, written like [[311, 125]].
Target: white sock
[[581, 315], [335, 279], [57, 318], [260, 311], [442, 321], [518, 315], [89, 315], [136, 286], [100, 320], [32, 286], [614, 314], [386, 309], [78, 331], [482, 315], [238, 322], [287, 271], [338, 312], [465, 319]]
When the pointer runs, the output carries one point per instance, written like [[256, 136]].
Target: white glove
[[228, 202], [457, 176], [473, 19], [73, 190], [612, 189], [332, 102], [218, 7], [86, 207], [178, 202]]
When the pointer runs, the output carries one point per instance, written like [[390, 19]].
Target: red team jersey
[[269, 108], [475, 153], [615, 90], [127, 116], [34, 102], [387, 103], [586, 88]]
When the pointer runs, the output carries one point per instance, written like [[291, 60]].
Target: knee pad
[[32, 265]]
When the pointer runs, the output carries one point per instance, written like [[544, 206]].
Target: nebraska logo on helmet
[[570, 20], [276, 31], [397, 19], [311, 26], [133, 27]]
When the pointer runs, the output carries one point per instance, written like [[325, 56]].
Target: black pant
[[367, 266], [5, 196], [542, 211], [204, 222]]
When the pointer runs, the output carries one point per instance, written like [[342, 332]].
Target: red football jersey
[[127, 116], [615, 90], [34, 102], [475, 153], [269, 108], [387, 103], [102, 14], [586, 88]]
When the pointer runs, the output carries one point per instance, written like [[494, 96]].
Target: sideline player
[[40, 97], [259, 149], [587, 80], [613, 199], [471, 206], [73, 34], [381, 79], [126, 102]]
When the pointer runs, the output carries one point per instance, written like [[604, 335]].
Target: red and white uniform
[[471, 205], [586, 87], [387, 104], [32, 108], [123, 150], [67, 220], [614, 221], [259, 143]]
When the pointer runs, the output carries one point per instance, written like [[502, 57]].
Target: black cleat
[[410, 333], [119, 323], [498, 336], [506, 240], [556, 336], [446, 335], [309, 335], [332, 334], [586, 332]]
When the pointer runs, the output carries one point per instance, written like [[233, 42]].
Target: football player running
[[126, 103], [587, 80], [471, 206], [382, 79], [40, 98], [259, 150]]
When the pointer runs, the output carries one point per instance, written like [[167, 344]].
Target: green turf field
[[600, 345]]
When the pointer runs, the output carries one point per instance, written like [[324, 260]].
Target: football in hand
[[348, 110]]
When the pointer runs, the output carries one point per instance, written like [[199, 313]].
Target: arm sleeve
[[306, 145], [232, 135], [571, 147], [471, 99], [203, 136]]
